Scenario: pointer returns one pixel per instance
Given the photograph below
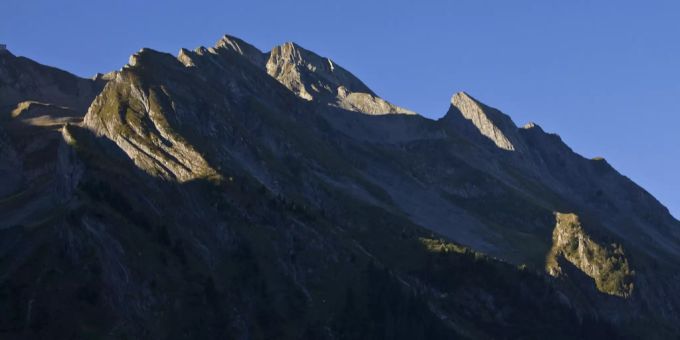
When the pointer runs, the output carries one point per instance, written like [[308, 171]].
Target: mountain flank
[[232, 192]]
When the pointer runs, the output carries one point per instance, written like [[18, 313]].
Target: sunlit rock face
[[489, 122], [312, 77], [306, 74], [227, 190], [606, 264], [243, 48], [140, 127]]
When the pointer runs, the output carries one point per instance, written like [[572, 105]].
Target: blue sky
[[605, 75]]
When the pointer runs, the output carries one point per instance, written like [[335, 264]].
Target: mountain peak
[[490, 122], [305, 73], [236, 45], [309, 75], [532, 125], [152, 59], [313, 77]]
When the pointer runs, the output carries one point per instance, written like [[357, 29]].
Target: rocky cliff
[[606, 264]]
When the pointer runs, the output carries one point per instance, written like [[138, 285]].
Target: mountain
[[230, 192], [35, 102]]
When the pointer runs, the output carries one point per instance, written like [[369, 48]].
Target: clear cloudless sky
[[605, 75]]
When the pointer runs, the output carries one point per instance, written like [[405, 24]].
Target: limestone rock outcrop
[[491, 123], [313, 77], [140, 128], [606, 264]]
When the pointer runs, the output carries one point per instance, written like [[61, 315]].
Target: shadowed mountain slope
[[274, 195]]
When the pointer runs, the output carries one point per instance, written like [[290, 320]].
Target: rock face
[[244, 49], [273, 195], [607, 265], [491, 123], [139, 128], [312, 77]]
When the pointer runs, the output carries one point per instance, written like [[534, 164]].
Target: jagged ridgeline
[[232, 193]]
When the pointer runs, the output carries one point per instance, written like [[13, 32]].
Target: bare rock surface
[[606, 264], [313, 77], [491, 123]]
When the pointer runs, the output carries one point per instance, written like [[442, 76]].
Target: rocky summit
[[228, 192]]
